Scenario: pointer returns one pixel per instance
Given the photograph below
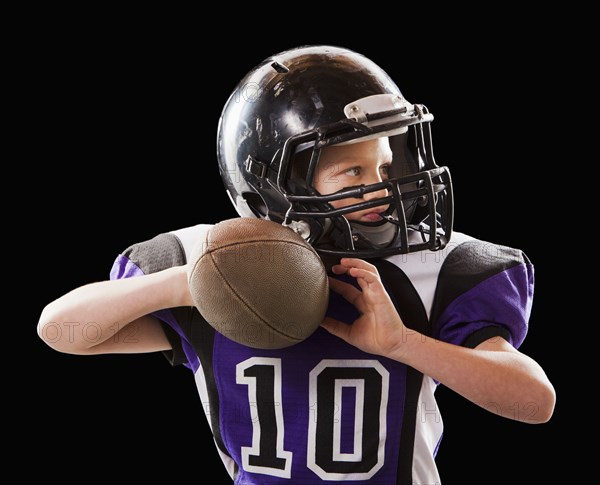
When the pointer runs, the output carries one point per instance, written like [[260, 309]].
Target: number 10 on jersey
[[328, 455]]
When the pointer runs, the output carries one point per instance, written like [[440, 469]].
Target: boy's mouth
[[374, 215]]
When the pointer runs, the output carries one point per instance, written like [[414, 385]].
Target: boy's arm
[[494, 375], [114, 316]]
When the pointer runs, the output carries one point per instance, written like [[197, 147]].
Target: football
[[258, 283]]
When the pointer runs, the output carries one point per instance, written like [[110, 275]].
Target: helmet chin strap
[[380, 235]]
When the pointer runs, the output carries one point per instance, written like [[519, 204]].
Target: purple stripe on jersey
[[347, 415], [503, 300], [123, 267], [437, 446]]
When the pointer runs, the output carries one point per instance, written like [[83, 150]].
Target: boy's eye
[[385, 169], [353, 172]]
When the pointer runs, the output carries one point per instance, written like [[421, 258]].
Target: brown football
[[258, 283]]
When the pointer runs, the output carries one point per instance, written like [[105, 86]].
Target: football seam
[[241, 243], [238, 295]]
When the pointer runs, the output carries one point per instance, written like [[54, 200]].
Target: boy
[[321, 140]]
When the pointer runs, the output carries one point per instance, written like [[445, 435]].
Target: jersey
[[323, 410]]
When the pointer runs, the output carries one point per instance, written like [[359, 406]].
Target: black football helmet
[[302, 100]]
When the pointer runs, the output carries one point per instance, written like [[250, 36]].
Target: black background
[[126, 121]]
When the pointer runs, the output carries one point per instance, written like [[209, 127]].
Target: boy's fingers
[[358, 263], [349, 292], [339, 269], [337, 328], [368, 276]]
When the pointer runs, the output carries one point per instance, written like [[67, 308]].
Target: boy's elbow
[[56, 332], [48, 328], [548, 403], [545, 400]]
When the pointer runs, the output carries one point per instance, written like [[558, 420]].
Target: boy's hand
[[379, 330]]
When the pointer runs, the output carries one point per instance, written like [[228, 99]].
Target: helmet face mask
[[311, 98]]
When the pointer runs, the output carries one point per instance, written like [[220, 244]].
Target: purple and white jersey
[[322, 410]]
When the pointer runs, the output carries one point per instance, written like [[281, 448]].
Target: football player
[[320, 139]]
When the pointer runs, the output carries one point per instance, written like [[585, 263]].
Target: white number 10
[[370, 382]]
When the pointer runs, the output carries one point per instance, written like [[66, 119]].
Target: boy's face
[[361, 163]]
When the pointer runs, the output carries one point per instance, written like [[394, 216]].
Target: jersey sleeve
[[484, 290], [159, 253]]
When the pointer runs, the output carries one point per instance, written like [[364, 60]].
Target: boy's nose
[[378, 194]]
